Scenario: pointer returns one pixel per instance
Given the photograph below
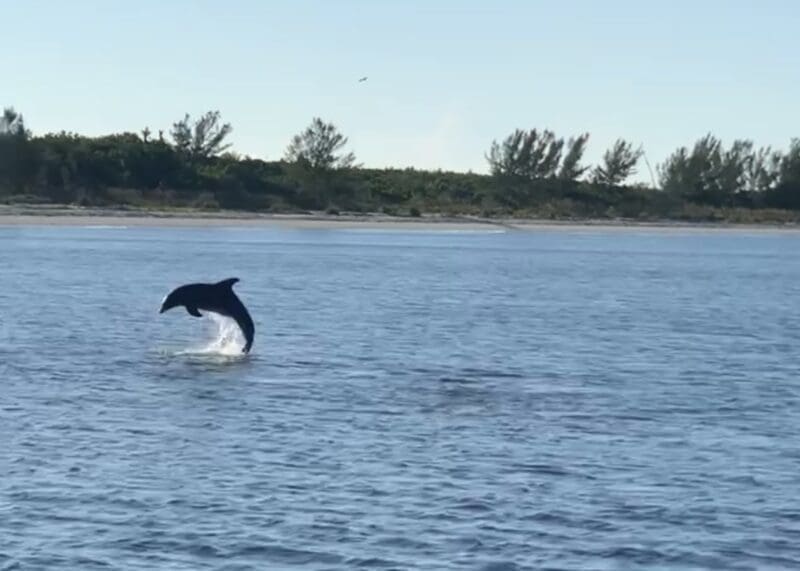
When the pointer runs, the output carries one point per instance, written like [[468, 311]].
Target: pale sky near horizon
[[446, 77]]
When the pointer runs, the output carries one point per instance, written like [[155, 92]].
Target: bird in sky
[[363, 79]]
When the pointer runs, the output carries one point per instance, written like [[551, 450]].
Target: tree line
[[532, 173], [708, 173]]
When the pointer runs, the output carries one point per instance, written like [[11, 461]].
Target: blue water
[[570, 399]]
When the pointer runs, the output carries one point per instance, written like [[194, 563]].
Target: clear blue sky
[[445, 77]]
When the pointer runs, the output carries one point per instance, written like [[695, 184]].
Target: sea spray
[[227, 339]]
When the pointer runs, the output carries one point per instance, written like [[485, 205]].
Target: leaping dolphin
[[216, 298]]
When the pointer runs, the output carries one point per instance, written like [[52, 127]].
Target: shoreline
[[11, 216]]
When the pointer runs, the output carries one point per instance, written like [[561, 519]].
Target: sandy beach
[[29, 215]]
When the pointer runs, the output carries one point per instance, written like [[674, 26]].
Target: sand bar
[[77, 216]]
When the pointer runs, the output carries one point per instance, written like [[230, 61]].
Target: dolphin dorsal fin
[[227, 283]]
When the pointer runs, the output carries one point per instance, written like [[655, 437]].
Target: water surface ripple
[[568, 399]]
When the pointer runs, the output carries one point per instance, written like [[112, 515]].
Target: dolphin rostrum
[[216, 298]]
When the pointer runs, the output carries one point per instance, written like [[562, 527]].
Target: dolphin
[[215, 298]]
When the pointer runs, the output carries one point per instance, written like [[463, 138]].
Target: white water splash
[[228, 340]]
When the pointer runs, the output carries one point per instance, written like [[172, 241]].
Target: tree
[[320, 147], [203, 138], [683, 172], [12, 123], [786, 194], [505, 159], [731, 172], [528, 154], [570, 166], [619, 163], [790, 163], [714, 175], [763, 170], [18, 154]]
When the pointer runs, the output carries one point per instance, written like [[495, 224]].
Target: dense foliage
[[533, 173]]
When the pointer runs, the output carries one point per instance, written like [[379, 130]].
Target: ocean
[[572, 398]]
